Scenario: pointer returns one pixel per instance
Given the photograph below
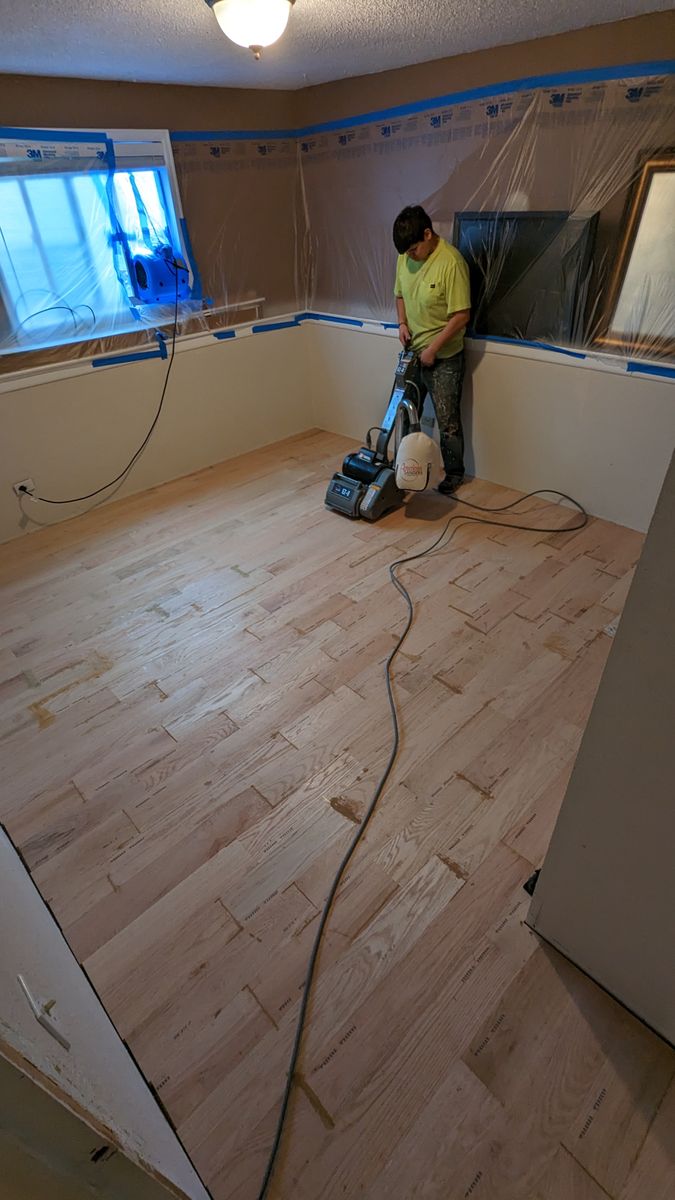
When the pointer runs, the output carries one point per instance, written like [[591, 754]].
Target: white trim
[[35, 376], [589, 359], [50, 373]]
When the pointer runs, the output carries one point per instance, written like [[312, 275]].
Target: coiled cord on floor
[[435, 546]]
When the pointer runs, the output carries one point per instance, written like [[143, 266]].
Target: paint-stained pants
[[444, 382]]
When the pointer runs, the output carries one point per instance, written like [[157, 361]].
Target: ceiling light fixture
[[252, 23]]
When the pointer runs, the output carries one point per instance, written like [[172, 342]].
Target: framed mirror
[[640, 313]]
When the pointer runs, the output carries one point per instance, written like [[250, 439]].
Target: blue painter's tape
[[479, 337], [232, 135], [561, 79], [114, 360], [389, 325], [51, 135], [315, 316], [275, 325], [196, 278], [651, 369], [224, 334], [564, 78]]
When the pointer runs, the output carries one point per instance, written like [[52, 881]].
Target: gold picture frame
[[625, 268]]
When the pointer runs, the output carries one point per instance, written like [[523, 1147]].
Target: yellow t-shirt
[[432, 291]]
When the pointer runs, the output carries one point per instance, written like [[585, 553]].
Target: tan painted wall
[[636, 40], [37, 100], [33, 100], [45, 1150]]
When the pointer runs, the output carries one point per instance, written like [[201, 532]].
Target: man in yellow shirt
[[433, 304]]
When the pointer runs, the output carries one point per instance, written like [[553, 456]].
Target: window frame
[[146, 145], [633, 214]]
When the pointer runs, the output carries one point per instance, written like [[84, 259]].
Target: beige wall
[[603, 437], [73, 433], [606, 894]]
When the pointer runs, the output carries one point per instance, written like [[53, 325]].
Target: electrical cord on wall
[[111, 482], [435, 546]]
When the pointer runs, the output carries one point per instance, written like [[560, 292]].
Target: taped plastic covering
[[92, 257], [241, 202], [560, 196], [558, 191]]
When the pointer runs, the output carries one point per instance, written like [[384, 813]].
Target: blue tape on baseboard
[[480, 337], [270, 325], [115, 360], [315, 316], [650, 369], [224, 334], [559, 79]]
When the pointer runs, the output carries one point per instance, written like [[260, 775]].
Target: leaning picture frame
[[640, 310]]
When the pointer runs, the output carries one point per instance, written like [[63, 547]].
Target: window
[[71, 237]]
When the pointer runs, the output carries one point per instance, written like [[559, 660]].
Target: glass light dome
[[252, 23]]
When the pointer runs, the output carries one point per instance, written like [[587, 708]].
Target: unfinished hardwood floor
[[194, 717]]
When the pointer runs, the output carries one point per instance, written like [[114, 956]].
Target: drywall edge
[[93, 1069]]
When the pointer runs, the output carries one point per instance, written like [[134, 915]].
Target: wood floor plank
[[622, 1103], [149, 871], [653, 1174], [194, 720], [565, 1179]]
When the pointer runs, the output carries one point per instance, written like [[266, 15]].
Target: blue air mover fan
[[155, 275]]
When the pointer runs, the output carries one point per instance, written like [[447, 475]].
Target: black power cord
[[104, 487], [313, 959]]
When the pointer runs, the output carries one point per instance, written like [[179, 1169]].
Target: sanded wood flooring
[[193, 719]]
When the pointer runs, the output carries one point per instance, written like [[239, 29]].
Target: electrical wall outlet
[[23, 487]]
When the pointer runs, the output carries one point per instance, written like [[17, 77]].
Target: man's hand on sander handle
[[404, 335]]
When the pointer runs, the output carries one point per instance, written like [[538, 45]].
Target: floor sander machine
[[370, 484]]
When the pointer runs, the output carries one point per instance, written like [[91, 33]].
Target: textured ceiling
[[178, 41]]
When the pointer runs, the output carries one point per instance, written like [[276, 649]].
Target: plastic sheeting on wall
[[242, 205], [536, 183], [558, 191], [535, 186]]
